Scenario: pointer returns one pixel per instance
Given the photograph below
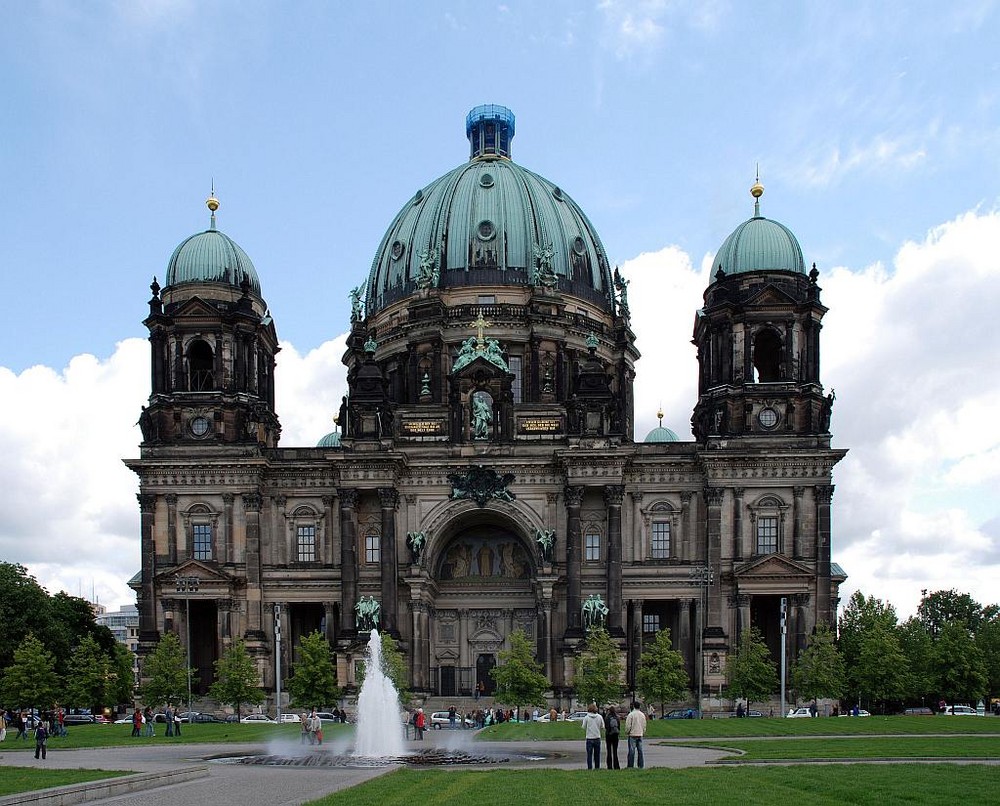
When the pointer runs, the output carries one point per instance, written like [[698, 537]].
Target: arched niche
[[484, 552]]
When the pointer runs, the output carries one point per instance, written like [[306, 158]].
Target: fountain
[[380, 731]]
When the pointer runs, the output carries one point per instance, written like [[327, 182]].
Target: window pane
[[372, 553], [202, 541], [592, 544], [767, 535], [514, 364], [661, 540], [306, 544], [650, 622]]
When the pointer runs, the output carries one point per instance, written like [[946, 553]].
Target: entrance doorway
[[484, 663], [448, 681]]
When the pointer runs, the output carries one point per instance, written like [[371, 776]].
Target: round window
[[579, 246], [418, 197], [557, 192], [768, 418], [486, 180], [486, 230], [397, 250], [200, 426]]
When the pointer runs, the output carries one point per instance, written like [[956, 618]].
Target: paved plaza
[[223, 784]]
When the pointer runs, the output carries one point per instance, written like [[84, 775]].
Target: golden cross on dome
[[480, 324]]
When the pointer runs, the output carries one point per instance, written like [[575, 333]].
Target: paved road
[[242, 785]]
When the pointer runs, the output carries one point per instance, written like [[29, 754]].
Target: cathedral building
[[485, 475]]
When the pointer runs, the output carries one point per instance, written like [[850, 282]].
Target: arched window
[[201, 367], [767, 356], [768, 517], [200, 524]]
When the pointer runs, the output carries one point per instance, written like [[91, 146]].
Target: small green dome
[[760, 244], [661, 434], [211, 257], [331, 440]]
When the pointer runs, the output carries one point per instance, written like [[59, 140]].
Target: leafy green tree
[[958, 662], [519, 676], [88, 676], [31, 679], [662, 676], [24, 607], [599, 676], [918, 648], [314, 679], [121, 678], [751, 673], [860, 619], [988, 641], [819, 670], [236, 678], [165, 674], [943, 607], [881, 671]]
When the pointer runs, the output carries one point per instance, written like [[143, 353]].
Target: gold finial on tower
[[480, 324], [757, 191], [212, 203], [659, 415]]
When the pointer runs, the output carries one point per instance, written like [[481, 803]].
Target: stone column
[[574, 500], [688, 532], [824, 497], [684, 635], [227, 527], [388, 498], [738, 523], [148, 631], [613, 495], [284, 543], [635, 551], [251, 507], [713, 535], [419, 645], [329, 616], [797, 492], [348, 559], [743, 622], [171, 528], [329, 531], [800, 604]]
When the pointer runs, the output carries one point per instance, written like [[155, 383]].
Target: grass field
[[862, 747], [696, 728], [27, 779], [809, 784]]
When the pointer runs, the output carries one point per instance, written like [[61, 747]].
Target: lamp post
[[277, 661], [703, 577], [187, 586]]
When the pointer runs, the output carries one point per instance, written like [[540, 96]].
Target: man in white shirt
[[635, 729], [593, 724]]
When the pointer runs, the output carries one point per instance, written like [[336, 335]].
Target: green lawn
[[862, 747], [822, 784], [28, 779], [697, 728], [199, 733]]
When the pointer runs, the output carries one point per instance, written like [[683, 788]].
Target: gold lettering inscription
[[419, 427], [541, 425]]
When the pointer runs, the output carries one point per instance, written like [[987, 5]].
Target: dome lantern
[[490, 128]]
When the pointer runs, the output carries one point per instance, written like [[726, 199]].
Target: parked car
[[288, 717], [441, 719], [799, 713], [918, 712], [257, 719], [959, 710], [747, 713], [78, 719], [861, 712], [210, 718], [681, 713], [576, 716]]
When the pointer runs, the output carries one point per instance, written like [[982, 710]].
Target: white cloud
[[834, 162]]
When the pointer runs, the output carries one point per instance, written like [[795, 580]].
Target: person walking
[[611, 731], [420, 722], [21, 723], [41, 739], [3, 726], [592, 726], [635, 729]]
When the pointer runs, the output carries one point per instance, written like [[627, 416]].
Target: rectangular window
[[372, 552], [767, 535], [592, 547], [650, 622], [661, 540], [306, 542], [202, 541], [486, 299], [514, 363]]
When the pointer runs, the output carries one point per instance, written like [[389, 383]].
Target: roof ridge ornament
[[757, 191], [213, 204]]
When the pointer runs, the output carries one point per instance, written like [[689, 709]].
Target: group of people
[[312, 727], [596, 723], [48, 724], [144, 720]]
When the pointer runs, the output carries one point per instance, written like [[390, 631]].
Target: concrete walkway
[[244, 785]]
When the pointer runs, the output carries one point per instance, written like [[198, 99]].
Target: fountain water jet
[[379, 731]]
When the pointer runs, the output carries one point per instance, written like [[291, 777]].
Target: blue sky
[[875, 126]]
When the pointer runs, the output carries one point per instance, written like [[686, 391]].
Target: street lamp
[[703, 577], [187, 586]]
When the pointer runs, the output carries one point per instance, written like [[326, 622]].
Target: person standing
[[611, 731], [592, 726], [41, 739], [168, 714], [635, 729], [304, 726], [147, 717], [137, 723], [3, 726], [21, 723], [420, 722]]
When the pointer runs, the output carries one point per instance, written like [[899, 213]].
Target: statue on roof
[[621, 285], [544, 274], [429, 273], [357, 309]]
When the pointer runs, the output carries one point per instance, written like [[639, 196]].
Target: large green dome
[[211, 257], [485, 222], [760, 244]]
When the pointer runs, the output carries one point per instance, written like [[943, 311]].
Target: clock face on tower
[[200, 426], [767, 417]]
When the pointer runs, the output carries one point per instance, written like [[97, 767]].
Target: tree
[[662, 676], [881, 671], [519, 676], [164, 673], [958, 663], [943, 607], [121, 679], [918, 649], [23, 609], [819, 670], [751, 673], [860, 619], [236, 678], [314, 680], [988, 641], [87, 676], [31, 680], [598, 676]]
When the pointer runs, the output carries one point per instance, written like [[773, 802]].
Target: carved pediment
[[204, 573], [772, 566], [195, 308], [771, 295], [478, 368]]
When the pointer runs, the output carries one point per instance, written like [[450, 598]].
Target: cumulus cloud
[[909, 345]]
